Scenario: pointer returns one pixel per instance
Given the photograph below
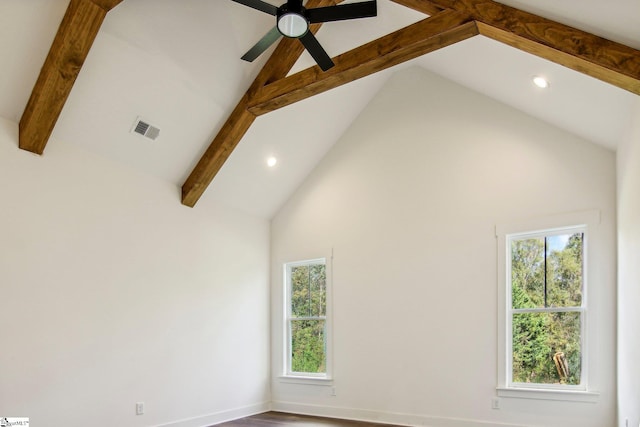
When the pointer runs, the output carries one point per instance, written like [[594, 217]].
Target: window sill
[[548, 394], [317, 381]]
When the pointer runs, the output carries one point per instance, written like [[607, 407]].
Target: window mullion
[[545, 273], [548, 310], [309, 318]]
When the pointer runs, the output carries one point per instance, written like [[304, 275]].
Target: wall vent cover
[[142, 127]]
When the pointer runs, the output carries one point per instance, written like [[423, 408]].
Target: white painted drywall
[[408, 199], [629, 276], [112, 293]]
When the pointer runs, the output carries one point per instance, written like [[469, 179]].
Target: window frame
[[287, 373], [547, 226]]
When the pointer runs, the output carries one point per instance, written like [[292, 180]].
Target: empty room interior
[[407, 212]]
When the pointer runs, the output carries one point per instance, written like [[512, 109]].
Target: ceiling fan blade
[[317, 52], [262, 45], [364, 9], [259, 5]]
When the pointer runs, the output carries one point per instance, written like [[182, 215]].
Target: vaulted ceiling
[[176, 63]]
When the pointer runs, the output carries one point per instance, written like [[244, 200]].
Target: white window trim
[[307, 378], [315, 381], [586, 221]]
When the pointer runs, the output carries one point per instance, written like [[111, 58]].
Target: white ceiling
[[176, 64]]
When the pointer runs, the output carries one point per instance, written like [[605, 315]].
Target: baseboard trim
[[221, 417], [381, 417]]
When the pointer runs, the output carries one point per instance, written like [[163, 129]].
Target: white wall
[[112, 292], [409, 199], [629, 276]]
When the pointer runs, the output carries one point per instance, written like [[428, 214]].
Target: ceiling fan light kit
[[293, 20]]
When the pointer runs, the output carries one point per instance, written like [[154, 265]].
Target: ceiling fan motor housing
[[292, 20]]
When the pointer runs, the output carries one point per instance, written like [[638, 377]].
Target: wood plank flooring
[[274, 419]]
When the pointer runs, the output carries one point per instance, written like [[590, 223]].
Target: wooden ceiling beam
[[217, 153], [69, 49], [579, 50], [440, 30], [277, 67]]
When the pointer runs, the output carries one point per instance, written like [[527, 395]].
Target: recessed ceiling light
[[271, 161], [541, 82]]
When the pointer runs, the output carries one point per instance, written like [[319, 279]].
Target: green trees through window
[[547, 308], [308, 317]]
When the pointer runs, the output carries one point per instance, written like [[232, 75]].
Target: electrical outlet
[[495, 403], [333, 391], [139, 408]]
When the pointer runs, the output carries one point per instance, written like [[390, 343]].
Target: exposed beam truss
[[449, 21], [584, 52], [441, 30]]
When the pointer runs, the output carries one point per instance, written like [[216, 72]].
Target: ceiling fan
[[293, 20]]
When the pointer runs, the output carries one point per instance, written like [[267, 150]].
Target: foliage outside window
[[306, 318], [547, 305]]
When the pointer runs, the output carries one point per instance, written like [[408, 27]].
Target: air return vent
[[142, 127]]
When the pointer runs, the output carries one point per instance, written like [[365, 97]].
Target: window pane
[[308, 346], [546, 348], [527, 273], [300, 291], [308, 290], [564, 270], [318, 286]]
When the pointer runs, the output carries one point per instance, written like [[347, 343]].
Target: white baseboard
[[220, 417], [381, 417]]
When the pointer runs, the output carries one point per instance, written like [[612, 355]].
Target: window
[[546, 310], [543, 309], [306, 319]]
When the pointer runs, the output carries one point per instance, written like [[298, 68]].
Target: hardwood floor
[[273, 419]]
